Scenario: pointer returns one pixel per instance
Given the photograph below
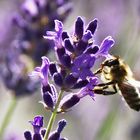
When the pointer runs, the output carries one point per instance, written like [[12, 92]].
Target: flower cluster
[[35, 17], [39, 131], [76, 55], [14, 74]]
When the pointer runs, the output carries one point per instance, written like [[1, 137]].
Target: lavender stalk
[[53, 116], [8, 116]]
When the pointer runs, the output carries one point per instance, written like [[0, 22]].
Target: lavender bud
[[79, 27], [64, 35], [52, 68], [92, 26], [61, 125], [58, 79], [28, 135], [54, 136], [87, 37], [66, 60], [69, 101], [68, 45], [46, 88], [37, 123], [81, 47], [48, 100], [63, 72], [92, 50], [37, 137], [80, 84], [60, 52], [70, 80], [43, 131]]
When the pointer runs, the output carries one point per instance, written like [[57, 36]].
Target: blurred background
[[107, 118]]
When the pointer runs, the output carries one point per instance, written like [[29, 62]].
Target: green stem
[[53, 116], [8, 116]]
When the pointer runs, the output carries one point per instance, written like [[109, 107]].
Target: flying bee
[[117, 74]]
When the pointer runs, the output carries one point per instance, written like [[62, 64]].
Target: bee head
[[111, 62]]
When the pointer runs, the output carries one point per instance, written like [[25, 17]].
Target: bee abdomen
[[134, 103], [131, 95]]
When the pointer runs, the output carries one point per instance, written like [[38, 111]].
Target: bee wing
[[130, 92], [134, 82]]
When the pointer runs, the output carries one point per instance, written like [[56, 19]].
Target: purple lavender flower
[[72, 99], [77, 53], [56, 36], [39, 131], [76, 57], [49, 96], [68, 101], [37, 124], [105, 46], [49, 93], [42, 71], [88, 89]]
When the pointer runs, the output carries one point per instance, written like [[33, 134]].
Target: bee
[[116, 74]]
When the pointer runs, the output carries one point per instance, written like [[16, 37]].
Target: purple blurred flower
[[13, 136], [33, 19], [14, 73], [32, 7], [37, 16]]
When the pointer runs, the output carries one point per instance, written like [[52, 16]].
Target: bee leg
[[107, 84], [101, 90], [98, 71]]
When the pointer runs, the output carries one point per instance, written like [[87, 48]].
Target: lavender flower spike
[[42, 71]]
